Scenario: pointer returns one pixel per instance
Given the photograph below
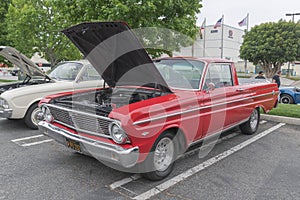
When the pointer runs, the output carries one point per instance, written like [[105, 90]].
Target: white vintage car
[[20, 99]]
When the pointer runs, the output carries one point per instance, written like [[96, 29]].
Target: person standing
[[260, 75], [276, 78]]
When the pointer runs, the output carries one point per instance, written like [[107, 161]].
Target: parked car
[[14, 71], [151, 113], [20, 99], [289, 95]]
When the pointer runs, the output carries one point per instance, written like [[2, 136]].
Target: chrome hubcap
[[254, 119], [163, 155], [35, 116], [285, 100]]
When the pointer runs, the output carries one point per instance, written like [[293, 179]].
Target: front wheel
[[31, 118], [250, 126], [286, 99], [160, 161]]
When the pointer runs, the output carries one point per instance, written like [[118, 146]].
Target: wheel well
[[286, 95], [36, 102], [178, 133], [261, 109]]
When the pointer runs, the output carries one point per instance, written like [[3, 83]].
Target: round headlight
[[49, 118], [117, 133], [4, 103], [47, 114]]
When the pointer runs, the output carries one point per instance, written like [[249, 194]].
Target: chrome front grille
[[81, 121], [61, 116]]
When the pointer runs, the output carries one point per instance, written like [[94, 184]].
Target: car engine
[[102, 102]]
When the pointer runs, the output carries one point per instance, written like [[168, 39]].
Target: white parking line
[[27, 138], [263, 121], [124, 181], [35, 143], [33, 140], [167, 184], [137, 176]]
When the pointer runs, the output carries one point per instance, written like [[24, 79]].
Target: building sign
[[213, 31], [230, 34]]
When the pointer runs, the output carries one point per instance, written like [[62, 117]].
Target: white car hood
[[20, 60]]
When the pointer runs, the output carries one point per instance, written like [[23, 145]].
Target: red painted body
[[196, 113]]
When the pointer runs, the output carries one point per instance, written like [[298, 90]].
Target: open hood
[[21, 61], [117, 54]]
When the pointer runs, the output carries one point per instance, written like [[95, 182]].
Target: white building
[[214, 44]]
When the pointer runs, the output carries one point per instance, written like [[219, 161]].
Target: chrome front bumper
[[102, 151], [5, 113]]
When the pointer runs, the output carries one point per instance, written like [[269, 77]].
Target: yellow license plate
[[73, 145]]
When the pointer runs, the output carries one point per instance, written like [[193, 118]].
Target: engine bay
[[103, 101]]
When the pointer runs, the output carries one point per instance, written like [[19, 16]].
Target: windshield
[[65, 71], [181, 73]]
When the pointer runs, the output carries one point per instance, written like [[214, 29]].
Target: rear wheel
[[250, 126], [160, 161], [31, 118], [286, 99]]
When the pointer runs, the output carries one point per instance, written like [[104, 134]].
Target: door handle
[[240, 90]]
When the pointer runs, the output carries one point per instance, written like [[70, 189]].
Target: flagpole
[[222, 24], [193, 48], [204, 37], [246, 33]]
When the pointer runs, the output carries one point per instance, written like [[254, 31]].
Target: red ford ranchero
[[148, 113]]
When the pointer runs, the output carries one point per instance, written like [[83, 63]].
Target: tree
[[35, 26], [272, 44], [179, 16], [36, 23], [3, 31], [162, 15]]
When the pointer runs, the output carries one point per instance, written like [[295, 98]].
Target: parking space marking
[[262, 122], [138, 176], [124, 181], [171, 182], [27, 138], [35, 143], [31, 140]]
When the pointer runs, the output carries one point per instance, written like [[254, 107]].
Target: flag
[[243, 22], [218, 24], [202, 27]]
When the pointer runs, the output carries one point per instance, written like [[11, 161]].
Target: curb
[[287, 120]]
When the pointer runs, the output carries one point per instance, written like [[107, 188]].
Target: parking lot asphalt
[[35, 167], [261, 166]]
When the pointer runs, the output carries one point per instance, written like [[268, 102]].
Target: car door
[[220, 107]]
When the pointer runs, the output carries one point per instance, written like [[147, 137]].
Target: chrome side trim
[[217, 133], [197, 109]]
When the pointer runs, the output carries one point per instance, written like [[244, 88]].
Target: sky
[[234, 11]]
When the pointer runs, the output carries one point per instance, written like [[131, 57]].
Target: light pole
[[292, 14], [293, 20]]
